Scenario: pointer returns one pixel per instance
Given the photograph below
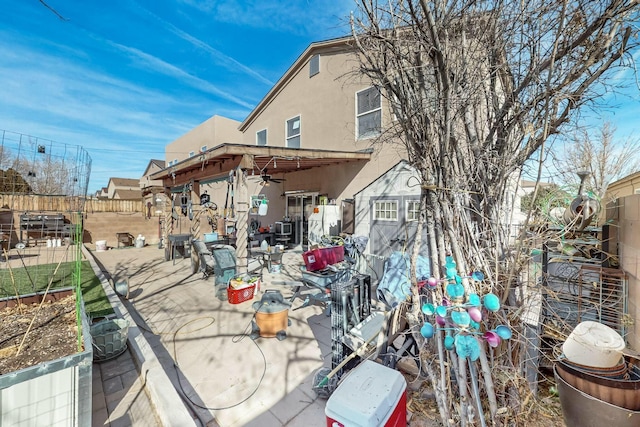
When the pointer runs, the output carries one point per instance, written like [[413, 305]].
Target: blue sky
[[124, 78]]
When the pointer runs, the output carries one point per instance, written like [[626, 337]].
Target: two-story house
[[315, 134]]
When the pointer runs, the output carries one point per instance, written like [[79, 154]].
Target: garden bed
[[52, 335]]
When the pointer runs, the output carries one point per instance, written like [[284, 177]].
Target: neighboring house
[[102, 193], [153, 194], [148, 185], [626, 186], [213, 132], [124, 188]]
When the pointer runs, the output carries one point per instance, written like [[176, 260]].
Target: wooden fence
[[38, 203]]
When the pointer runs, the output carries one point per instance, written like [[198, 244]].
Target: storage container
[[210, 237], [322, 278], [109, 338], [240, 291], [101, 245], [372, 395], [319, 258], [594, 344], [581, 409]]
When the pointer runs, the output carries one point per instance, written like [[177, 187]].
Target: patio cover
[[216, 162]]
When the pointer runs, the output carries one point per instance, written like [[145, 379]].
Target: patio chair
[[219, 261]]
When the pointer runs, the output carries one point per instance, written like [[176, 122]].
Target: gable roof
[[125, 182], [154, 162], [128, 194], [341, 44]]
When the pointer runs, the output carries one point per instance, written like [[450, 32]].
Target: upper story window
[[203, 148], [413, 210], [314, 65], [293, 132], [386, 210], [261, 137], [191, 153], [369, 113]]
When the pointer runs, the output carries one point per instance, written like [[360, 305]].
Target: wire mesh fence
[[40, 241]]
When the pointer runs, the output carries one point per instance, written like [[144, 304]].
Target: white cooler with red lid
[[371, 395]]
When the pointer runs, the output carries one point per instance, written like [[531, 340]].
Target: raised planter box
[[57, 393]]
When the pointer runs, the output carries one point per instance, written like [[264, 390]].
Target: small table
[[179, 240], [268, 256], [125, 238]]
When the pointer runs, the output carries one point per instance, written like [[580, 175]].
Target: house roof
[[332, 45], [624, 181], [128, 194], [154, 162], [125, 182], [218, 161]]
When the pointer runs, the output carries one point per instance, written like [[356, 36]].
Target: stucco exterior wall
[[628, 235], [326, 104], [214, 131]]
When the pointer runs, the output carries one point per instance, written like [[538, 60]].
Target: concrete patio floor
[[200, 345]]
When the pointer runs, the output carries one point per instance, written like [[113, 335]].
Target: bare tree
[[476, 89], [600, 154]]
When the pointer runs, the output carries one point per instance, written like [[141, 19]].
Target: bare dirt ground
[[52, 333]]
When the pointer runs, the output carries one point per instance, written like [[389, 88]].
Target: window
[[387, 210], [191, 153], [413, 210], [314, 65], [369, 113], [261, 137], [203, 148], [293, 132], [636, 191]]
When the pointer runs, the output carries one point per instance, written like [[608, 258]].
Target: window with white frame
[[385, 210], [293, 132], [413, 210], [314, 65], [192, 153], [203, 148], [261, 137], [368, 113]]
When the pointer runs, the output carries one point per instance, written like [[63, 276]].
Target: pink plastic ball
[[432, 282], [475, 313]]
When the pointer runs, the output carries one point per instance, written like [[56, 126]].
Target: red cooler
[[371, 395]]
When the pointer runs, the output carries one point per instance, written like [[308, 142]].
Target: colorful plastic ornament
[[503, 332], [467, 346], [474, 325], [441, 321], [492, 338], [478, 276], [474, 313], [491, 302], [460, 318], [448, 342], [455, 291], [432, 282], [428, 309], [427, 330], [450, 268], [441, 311], [474, 300]]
